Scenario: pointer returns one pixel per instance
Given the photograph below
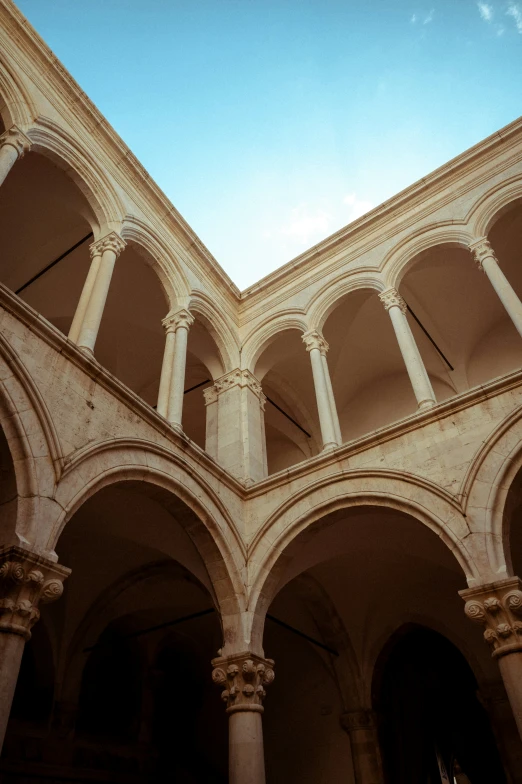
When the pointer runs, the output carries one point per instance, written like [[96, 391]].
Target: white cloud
[[429, 17], [485, 11], [515, 12], [356, 207], [413, 18], [307, 224]]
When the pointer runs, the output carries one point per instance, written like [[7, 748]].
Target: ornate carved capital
[[16, 138], [111, 241], [313, 339], [498, 607], [482, 250], [26, 579], [240, 378], [392, 299], [243, 678], [358, 720], [181, 318]]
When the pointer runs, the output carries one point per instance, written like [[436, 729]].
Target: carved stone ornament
[[111, 241], [482, 250], [358, 720], [181, 318], [26, 579], [211, 395], [498, 607], [239, 378], [243, 678], [314, 339], [392, 299], [16, 138]]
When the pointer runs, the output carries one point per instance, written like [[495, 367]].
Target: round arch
[[302, 514], [16, 106], [404, 255], [327, 300], [203, 307], [267, 332], [493, 204]]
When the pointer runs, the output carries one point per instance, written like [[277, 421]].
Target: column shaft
[[13, 145], [331, 399], [85, 296], [8, 157], [246, 761], [366, 755], [11, 650], [487, 261], [419, 378], [316, 346], [511, 670], [166, 372], [177, 384]]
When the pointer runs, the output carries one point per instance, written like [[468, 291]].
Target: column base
[[424, 404], [329, 446]]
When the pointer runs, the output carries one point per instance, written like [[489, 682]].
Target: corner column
[[243, 677], [422, 388], [488, 263], [235, 435], [26, 579], [13, 145], [498, 607], [109, 248], [362, 729], [175, 360], [317, 347]]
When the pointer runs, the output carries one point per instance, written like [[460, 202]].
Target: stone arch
[[16, 106], [493, 204], [52, 141], [34, 446], [157, 255], [203, 307], [302, 514], [267, 332], [191, 500], [404, 255], [331, 295], [486, 487]]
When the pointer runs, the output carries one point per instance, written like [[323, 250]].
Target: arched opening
[[136, 629], [291, 423], [432, 722], [380, 568]]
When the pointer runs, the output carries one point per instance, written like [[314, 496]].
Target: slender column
[[166, 368], [26, 579], [396, 307], [498, 607], [487, 262], [95, 251], [361, 727], [13, 145], [331, 398], [316, 345], [111, 246], [243, 678], [182, 321]]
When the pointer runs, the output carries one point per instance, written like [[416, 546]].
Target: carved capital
[[498, 607], [181, 318], [482, 250], [16, 138], [111, 241], [313, 339], [392, 299], [243, 379], [358, 720], [26, 579], [243, 678]]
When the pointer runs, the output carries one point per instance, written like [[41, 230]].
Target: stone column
[[26, 579], [243, 678], [235, 435], [181, 323], [396, 307], [95, 251], [487, 262], [166, 368], [13, 145], [498, 607], [317, 347], [366, 756], [110, 247]]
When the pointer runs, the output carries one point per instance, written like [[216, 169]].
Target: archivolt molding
[[330, 296], [404, 255], [226, 340], [492, 204], [16, 106], [260, 338], [51, 140]]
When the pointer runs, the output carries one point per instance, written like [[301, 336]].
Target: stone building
[[324, 469]]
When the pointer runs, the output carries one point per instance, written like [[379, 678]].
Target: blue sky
[[271, 124]]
